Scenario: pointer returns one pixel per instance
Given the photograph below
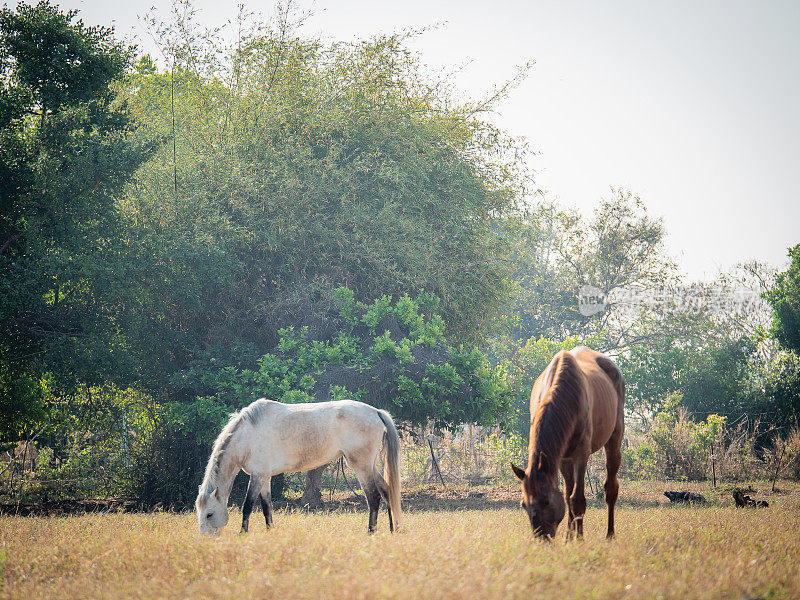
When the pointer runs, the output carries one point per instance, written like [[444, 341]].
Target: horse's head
[[541, 498], [212, 512]]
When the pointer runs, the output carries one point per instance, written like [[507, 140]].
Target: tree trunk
[[278, 485], [312, 496]]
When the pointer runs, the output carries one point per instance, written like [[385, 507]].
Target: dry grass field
[[662, 551]]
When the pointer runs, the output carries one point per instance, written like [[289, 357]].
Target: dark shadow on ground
[[453, 500], [57, 508]]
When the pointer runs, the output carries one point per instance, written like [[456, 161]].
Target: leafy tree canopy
[[391, 354], [54, 61], [299, 166], [553, 252], [63, 156], [785, 300], [711, 378]]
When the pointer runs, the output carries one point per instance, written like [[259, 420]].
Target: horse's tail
[[391, 469]]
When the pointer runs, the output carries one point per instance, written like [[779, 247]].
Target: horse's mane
[[555, 417], [251, 413]]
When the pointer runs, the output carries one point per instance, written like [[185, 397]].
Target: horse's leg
[[568, 472], [374, 501], [383, 488], [253, 490], [577, 500], [365, 476], [266, 500], [611, 487]]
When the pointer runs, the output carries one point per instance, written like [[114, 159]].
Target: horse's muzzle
[[540, 534]]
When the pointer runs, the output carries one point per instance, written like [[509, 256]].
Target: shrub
[[409, 370], [675, 446], [506, 448]]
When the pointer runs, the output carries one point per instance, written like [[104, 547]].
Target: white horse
[[267, 438]]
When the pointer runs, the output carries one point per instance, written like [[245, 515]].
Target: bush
[[407, 369], [674, 446], [86, 446], [387, 353]]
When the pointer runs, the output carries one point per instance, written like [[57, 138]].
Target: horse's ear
[[544, 463], [520, 473], [214, 494]]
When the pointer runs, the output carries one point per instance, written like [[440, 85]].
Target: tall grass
[[662, 551]]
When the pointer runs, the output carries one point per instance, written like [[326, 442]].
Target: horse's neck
[[552, 432], [227, 468]]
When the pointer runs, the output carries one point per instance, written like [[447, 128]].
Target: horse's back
[[545, 380], [335, 410], [605, 391], [297, 437], [326, 418]]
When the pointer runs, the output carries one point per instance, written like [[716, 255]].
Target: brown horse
[[576, 408]]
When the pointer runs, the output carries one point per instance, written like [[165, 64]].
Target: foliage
[[200, 420], [778, 398], [785, 300], [298, 164], [64, 154], [553, 252], [58, 62], [87, 444], [712, 378], [675, 446], [408, 369]]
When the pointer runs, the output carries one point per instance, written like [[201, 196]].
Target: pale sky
[[693, 106]]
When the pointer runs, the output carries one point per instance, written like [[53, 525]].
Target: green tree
[[391, 354], [778, 399], [711, 377], [785, 300], [298, 167], [553, 253], [64, 153]]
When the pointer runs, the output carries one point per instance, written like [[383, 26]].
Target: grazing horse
[[267, 438], [576, 409]]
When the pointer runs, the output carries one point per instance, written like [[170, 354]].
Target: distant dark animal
[[687, 497], [576, 409], [742, 500]]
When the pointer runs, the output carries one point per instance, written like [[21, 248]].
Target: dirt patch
[[434, 498]]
